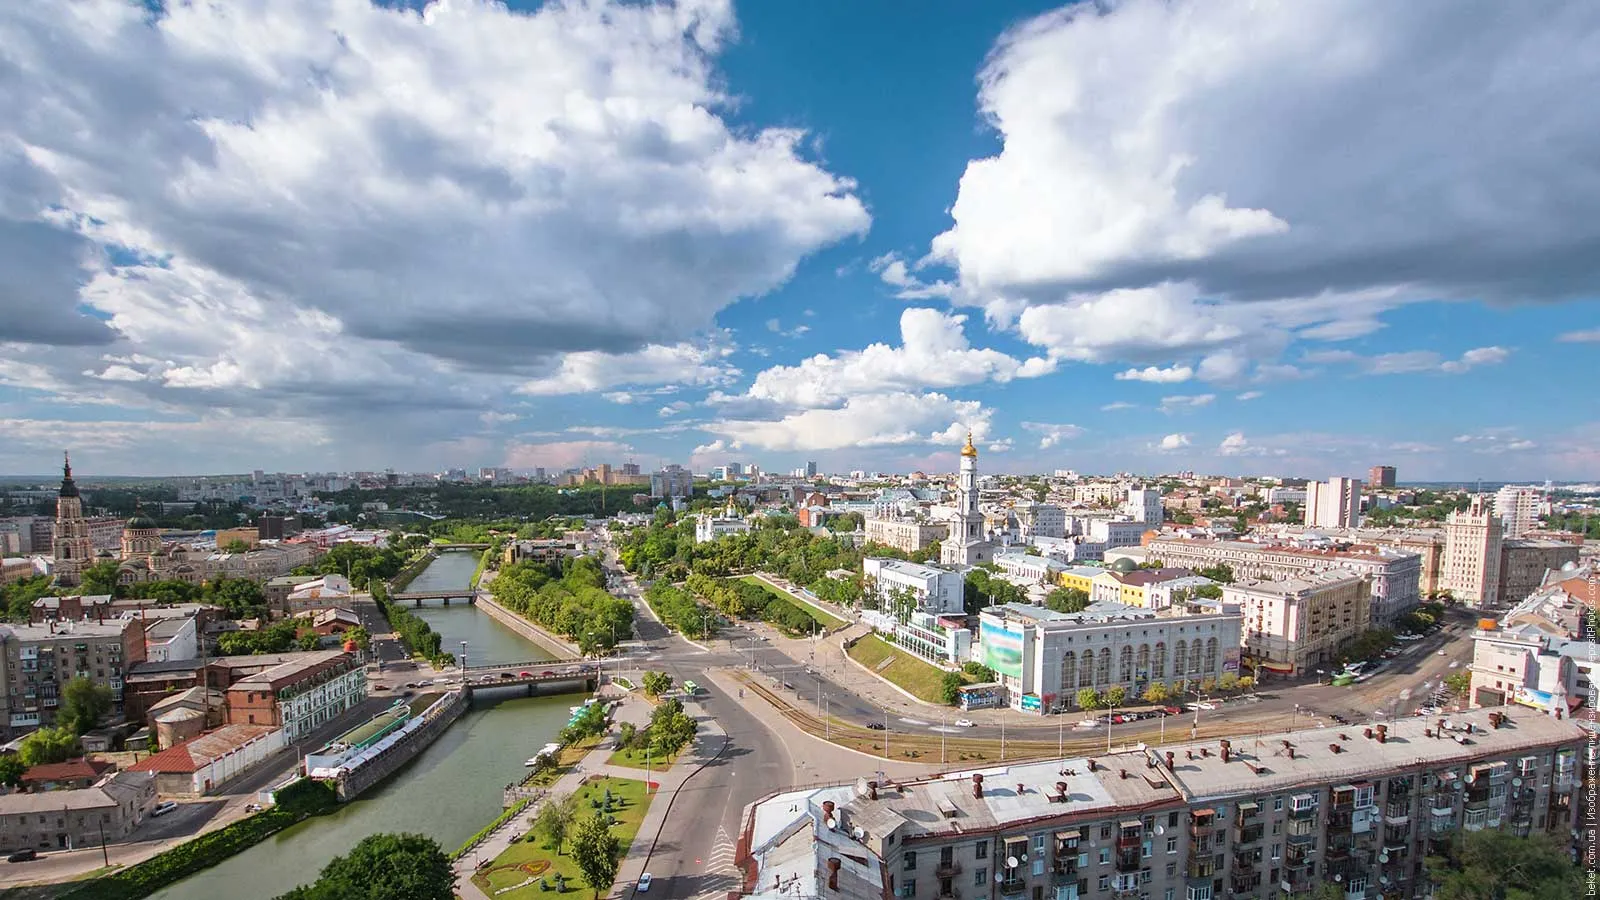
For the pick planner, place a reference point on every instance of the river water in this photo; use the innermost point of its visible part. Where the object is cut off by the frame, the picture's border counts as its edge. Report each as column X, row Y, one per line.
column 448, row 792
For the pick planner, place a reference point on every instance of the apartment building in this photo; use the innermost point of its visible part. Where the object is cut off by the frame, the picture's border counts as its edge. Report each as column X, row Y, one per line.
column 1250, row 819
column 299, row 694
column 77, row 819
column 1471, row 568
column 1293, row 626
column 1525, row 562
column 672, row 481
column 905, row 535
column 39, row 660
column 1335, row 503
column 1517, row 508
column 1381, row 476
column 1395, row 575
column 1029, row 569
column 1144, row 506
column 1043, row 658
column 1039, row 520
column 1145, row 588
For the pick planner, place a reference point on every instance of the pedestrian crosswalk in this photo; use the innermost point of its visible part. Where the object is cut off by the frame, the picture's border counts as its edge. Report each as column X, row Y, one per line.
column 721, row 875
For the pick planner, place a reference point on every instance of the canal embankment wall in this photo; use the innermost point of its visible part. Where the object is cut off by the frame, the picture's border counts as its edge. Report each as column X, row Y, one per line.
column 551, row 643
column 439, row 717
column 403, row 579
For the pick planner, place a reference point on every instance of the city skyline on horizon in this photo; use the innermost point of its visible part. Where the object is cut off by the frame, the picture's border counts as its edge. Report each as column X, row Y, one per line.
column 1148, row 236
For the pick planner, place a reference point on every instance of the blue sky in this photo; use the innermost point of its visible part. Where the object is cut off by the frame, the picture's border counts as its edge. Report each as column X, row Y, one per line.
column 1299, row 239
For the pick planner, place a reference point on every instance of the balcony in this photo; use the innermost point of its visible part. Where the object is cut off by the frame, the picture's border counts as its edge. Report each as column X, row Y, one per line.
column 1245, row 858
column 947, row 869
column 1244, row 882
column 1065, row 873
column 1128, row 860
column 1201, row 868
column 1200, row 846
column 1397, row 812
column 1013, row 887
column 1298, row 854
column 1249, row 834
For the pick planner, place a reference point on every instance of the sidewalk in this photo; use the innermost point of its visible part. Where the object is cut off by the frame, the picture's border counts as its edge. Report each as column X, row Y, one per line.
column 708, row 744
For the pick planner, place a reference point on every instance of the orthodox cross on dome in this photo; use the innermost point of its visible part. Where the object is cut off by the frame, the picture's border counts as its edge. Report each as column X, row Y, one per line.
column 969, row 450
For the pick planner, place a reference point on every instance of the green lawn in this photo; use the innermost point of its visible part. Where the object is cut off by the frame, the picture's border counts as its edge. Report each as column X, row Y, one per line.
column 822, row 618
column 533, row 858
column 634, row 759
column 922, row 680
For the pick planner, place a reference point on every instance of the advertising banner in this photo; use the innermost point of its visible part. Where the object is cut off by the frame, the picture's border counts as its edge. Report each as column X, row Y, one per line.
column 1002, row 648
column 1230, row 661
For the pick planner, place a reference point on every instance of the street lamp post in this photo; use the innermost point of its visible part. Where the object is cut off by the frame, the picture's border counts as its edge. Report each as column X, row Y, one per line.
column 886, row 732
column 942, row 727
column 1002, row 740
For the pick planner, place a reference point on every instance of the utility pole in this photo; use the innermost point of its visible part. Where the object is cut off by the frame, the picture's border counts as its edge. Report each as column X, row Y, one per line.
column 941, row 737
column 1002, row 740
column 1061, row 737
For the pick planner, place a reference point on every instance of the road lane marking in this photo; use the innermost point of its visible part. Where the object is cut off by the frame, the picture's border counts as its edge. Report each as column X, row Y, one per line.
column 914, row 722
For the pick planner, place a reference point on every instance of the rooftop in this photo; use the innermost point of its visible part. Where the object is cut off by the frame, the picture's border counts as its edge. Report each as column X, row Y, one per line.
column 1259, row 765
column 195, row 753
column 285, row 673
column 82, row 767
column 909, row 569
column 1100, row 613
column 63, row 631
column 1309, row 582
column 101, row 796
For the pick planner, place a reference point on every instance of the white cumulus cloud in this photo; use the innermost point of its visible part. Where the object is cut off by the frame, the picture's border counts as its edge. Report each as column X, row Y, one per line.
column 1157, row 375
column 1174, row 442
column 1051, row 434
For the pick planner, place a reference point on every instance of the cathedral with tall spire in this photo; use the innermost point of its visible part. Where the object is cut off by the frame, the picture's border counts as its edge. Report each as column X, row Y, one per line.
column 71, row 546
column 966, row 545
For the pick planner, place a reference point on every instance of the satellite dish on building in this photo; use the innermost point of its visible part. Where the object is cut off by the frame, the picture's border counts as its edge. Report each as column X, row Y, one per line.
column 1337, row 877
column 858, row 833
column 1160, row 830
column 1516, row 782
column 1023, row 857
column 1011, row 862
column 998, row 878
column 1458, row 784
column 1384, row 856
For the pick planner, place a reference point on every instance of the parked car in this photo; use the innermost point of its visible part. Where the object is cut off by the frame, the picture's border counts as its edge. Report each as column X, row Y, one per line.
column 23, row 856
column 963, row 723
column 548, row 672
column 643, row 886
column 164, row 807
column 380, row 687
column 1171, row 710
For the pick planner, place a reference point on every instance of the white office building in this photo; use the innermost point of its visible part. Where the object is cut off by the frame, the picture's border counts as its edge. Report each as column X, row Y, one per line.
column 1144, row 506
column 1517, row 508
column 934, row 591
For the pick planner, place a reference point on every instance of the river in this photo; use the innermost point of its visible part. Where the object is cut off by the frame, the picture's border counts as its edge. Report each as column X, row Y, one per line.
column 449, row 792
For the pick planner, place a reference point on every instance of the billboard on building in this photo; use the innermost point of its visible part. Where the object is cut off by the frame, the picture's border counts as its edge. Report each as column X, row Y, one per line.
column 1002, row 648
column 1230, row 661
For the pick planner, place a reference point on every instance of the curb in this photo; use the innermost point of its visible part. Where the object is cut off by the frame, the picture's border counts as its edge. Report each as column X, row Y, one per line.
column 822, row 740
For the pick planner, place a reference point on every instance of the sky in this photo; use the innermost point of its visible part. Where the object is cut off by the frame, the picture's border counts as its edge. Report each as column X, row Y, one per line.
column 1298, row 238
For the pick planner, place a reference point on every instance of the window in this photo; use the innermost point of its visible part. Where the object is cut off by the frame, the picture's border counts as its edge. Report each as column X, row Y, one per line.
column 1105, row 832
column 1172, row 869
column 1170, row 894
column 1105, row 855
column 983, row 850
column 1172, row 845
column 910, row 858
column 1172, row 820
column 909, row 889
column 1105, row 882
column 1277, row 804
column 1277, row 851
column 1147, row 849
column 1038, row 843
column 980, row 877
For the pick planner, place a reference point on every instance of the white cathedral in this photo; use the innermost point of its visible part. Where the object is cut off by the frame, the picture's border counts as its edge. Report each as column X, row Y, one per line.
column 966, row 545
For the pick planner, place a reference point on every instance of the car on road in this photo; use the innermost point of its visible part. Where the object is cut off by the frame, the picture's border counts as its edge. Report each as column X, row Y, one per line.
column 380, row 687
column 877, row 726
column 23, row 856
column 164, row 807
column 643, row 887
column 573, row 670
column 487, row 678
column 507, row 675
column 1444, row 653
column 963, row 723
column 524, row 674
column 1089, row 723
column 1171, row 710
column 548, row 672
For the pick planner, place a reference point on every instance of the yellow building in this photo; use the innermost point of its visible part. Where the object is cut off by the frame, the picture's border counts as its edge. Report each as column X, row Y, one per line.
column 1079, row 577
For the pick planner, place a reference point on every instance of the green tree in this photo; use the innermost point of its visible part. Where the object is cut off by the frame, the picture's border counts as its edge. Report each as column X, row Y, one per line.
column 100, row 578
column 48, row 745
column 1229, row 681
column 16, row 598
column 1498, row 865
column 383, row 867
column 1116, row 695
column 1067, row 600
column 1459, row 683
column 950, row 687
column 361, row 637
column 83, row 704
column 1089, row 698
column 235, row 546
column 11, row 769
column 1221, row 573
column 656, row 683
column 595, row 849
column 977, row 672
column 554, row 819
column 1156, row 693
column 1208, row 685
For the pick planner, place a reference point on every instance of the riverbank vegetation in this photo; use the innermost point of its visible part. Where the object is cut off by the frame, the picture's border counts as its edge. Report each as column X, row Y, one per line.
column 295, row 803
column 418, row 636
column 568, row 599
column 384, row 867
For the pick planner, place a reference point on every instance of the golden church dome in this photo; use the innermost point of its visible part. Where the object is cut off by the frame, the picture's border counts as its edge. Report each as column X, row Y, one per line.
column 969, row 450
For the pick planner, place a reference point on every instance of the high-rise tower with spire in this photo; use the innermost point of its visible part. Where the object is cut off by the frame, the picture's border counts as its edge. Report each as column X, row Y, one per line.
column 71, row 546
column 966, row 545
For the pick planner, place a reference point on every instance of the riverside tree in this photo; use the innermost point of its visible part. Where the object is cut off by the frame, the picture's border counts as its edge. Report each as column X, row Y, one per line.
column 384, row 867
column 595, row 849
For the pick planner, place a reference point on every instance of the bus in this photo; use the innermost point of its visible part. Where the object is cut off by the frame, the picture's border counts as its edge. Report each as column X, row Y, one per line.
column 1344, row 679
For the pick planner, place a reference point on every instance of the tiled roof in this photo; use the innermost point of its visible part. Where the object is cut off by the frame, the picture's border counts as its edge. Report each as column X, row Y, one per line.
column 193, row 754
column 64, row 771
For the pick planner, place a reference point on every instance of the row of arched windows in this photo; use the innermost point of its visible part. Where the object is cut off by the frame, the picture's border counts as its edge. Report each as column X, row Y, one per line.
column 1089, row 669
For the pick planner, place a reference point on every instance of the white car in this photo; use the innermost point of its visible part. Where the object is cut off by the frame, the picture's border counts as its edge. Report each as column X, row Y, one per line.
column 1089, row 723
column 164, row 807
column 643, row 887
column 963, row 723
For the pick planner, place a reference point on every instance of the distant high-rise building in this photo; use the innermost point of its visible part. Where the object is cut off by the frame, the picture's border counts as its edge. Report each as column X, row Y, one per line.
column 1472, row 541
column 1144, row 505
column 811, row 469
column 1381, row 477
column 1335, row 503
column 672, row 481
column 734, row 470
column 1517, row 509
column 630, row 468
